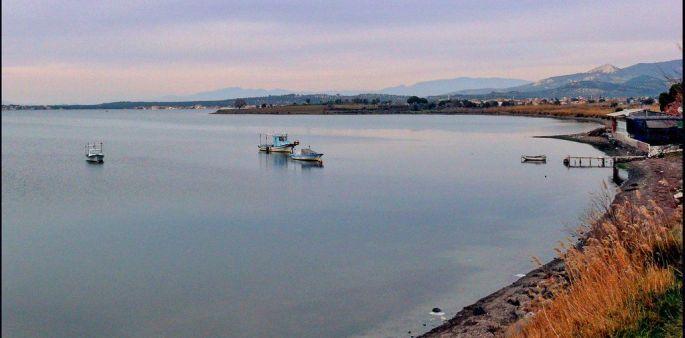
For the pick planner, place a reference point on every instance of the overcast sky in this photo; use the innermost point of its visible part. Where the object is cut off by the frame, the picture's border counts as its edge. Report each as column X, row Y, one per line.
column 96, row 51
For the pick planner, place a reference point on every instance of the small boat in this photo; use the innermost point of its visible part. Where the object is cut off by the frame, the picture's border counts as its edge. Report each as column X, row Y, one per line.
column 533, row 158
column 94, row 153
column 279, row 143
column 307, row 154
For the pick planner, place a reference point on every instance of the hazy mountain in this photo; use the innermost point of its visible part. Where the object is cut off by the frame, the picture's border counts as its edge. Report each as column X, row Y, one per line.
column 610, row 74
column 642, row 79
column 227, row 93
column 643, row 85
column 671, row 69
column 425, row 88
column 437, row 87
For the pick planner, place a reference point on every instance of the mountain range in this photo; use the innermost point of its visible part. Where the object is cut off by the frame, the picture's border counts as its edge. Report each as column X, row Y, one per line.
column 642, row 79
column 437, row 87
column 227, row 93
column 425, row 88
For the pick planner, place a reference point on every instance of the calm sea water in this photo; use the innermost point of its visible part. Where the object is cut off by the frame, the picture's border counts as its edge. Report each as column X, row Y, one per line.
column 186, row 230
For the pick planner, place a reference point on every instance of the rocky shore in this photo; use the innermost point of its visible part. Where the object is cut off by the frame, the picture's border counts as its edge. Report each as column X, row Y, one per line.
column 655, row 179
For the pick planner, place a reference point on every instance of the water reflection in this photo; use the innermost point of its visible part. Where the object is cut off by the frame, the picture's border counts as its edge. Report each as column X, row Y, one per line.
column 309, row 165
column 198, row 232
column 273, row 160
column 283, row 161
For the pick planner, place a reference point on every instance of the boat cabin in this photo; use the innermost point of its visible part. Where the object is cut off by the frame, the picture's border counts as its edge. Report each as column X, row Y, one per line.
column 94, row 152
column 280, row 140
column 94, row 149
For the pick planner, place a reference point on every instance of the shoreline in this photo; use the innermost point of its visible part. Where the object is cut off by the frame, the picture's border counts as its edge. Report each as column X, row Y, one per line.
column 598, row 118
column 491, row 315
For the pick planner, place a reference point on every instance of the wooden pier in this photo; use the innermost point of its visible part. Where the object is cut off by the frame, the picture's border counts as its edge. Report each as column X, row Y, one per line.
column 598, row 162
column 589, row 162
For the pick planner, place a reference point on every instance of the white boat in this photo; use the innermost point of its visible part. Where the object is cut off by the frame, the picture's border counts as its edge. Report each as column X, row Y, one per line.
column 94, row 153
column 279, row 143
column 307, row 154
column 533, row 158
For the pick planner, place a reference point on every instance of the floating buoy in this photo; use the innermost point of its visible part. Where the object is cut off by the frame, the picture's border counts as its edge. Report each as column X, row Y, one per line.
column 437, row 312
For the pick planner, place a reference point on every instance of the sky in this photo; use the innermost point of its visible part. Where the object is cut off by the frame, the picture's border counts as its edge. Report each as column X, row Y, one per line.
column 98, row 51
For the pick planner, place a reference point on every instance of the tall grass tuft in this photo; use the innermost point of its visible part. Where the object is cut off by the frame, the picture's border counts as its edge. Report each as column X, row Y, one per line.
column 631, row 254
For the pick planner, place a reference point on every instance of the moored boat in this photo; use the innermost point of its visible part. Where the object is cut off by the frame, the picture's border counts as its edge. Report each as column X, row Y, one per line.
column 279, row 143
column 94, row 153
column 307, row 154
column 533, row 158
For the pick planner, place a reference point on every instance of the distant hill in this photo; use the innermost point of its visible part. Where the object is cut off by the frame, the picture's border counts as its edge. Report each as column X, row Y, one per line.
column 642, row 79
column 437, row 87
column 226, row 93
column 425, row 88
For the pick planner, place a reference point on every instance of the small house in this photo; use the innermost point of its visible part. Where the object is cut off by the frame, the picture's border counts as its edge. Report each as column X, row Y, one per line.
column 655, row 128
column 642, row 128
column 618, row 120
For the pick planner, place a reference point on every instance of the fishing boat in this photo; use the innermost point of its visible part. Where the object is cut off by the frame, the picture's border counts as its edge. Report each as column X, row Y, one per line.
column 307, row 154
column 94, row 153
column 533, row 158
column 279, row 143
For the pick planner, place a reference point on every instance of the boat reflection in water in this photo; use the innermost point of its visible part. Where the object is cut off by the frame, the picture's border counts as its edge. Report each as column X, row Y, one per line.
column 312, row 164
column 283, row 161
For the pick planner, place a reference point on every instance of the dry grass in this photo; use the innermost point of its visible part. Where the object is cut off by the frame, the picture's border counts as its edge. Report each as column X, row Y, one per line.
column 572, row 110
column 633, row 253
column 290, row 109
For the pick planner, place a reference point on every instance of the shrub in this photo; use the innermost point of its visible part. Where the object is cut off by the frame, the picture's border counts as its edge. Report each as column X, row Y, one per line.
column 632, row 254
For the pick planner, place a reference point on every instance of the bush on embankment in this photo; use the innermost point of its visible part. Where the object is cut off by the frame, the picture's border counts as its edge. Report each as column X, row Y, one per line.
column 625, row 280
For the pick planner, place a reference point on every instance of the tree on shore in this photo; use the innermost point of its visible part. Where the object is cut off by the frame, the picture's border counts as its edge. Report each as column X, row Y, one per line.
column 239, row 103
column 416, row 99
column 670, row 101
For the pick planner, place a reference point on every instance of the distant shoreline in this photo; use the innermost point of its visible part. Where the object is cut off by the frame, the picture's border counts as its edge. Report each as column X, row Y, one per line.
column 582, row 112
column 597, row 119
